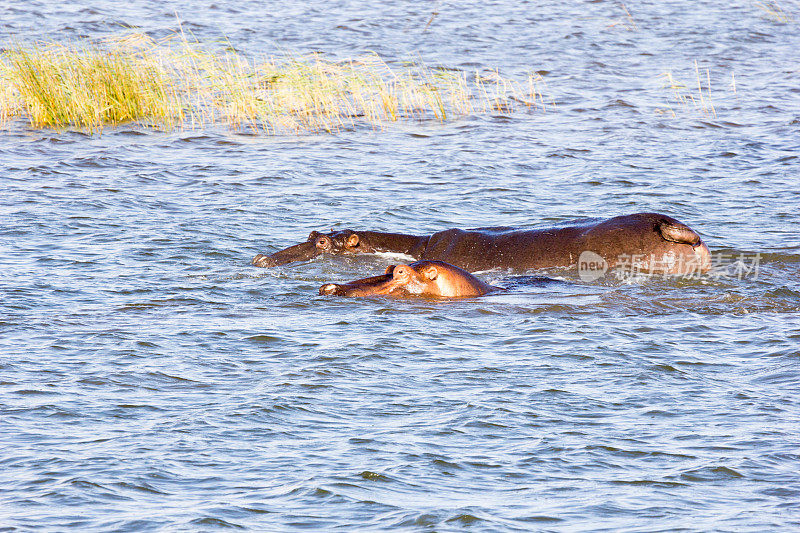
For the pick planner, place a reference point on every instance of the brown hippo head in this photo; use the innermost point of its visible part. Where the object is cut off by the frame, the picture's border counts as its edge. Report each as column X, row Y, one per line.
column 335, row 242
column 419, row 279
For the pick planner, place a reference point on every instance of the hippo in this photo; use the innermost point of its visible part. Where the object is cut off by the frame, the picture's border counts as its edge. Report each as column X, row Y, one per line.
column 654, row 242
column 421, row 279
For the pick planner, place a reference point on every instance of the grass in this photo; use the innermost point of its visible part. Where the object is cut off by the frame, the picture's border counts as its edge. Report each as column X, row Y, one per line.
column 56, row 86
column 697, row 97
column 628, row 23
column 774, row 11
column 178, row 83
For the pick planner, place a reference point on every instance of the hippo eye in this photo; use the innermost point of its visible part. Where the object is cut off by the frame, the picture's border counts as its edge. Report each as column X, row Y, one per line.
column 400, row 271
column 323, row 242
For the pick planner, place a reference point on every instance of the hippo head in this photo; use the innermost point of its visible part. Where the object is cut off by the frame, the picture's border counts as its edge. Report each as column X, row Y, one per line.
column 335, row 242
column 420, row 279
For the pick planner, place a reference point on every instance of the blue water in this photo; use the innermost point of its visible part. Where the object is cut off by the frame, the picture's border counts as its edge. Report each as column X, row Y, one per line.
column 152, row 380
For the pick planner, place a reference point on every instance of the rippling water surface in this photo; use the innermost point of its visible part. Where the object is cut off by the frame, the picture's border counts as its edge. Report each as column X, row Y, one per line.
column 151, row 380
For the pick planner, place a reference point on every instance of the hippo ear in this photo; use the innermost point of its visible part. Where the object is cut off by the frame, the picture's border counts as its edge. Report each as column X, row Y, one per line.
column 352, row 241
column 430, row 272
column 389, row 269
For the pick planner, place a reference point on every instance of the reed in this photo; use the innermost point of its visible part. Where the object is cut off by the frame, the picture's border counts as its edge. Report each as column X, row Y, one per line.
column 628, row 23
column 697, row 97
column 774, row 11
column 88, row 88
column 177, row 82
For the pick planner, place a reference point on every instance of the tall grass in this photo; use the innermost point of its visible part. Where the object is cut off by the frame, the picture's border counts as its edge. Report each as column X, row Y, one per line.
column 774, row 11
column 60, row 86
column 697, row 97
column 179, row 83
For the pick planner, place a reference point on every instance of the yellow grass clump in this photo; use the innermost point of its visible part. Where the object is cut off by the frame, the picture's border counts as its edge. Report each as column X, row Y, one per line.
column 177, row 83
column 697, row 97
column 774, row 11
column 59, row 86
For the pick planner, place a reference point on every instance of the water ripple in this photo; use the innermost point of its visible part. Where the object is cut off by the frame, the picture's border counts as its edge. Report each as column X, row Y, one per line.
column 153, row 380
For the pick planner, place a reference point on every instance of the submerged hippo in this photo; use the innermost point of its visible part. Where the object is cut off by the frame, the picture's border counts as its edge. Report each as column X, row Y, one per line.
column 431, row 279
column 657, row 243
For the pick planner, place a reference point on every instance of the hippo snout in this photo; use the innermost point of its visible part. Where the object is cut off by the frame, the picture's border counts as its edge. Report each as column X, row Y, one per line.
column 262, row 260
column 330, row 289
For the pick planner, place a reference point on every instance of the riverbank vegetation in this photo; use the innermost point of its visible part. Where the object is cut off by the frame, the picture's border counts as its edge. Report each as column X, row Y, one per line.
column 178, row 83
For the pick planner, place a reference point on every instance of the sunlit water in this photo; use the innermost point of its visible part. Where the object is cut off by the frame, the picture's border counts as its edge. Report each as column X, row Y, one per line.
column 151, row 380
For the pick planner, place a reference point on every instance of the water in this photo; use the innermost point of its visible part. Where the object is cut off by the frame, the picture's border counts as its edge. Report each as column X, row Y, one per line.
column 151, row 380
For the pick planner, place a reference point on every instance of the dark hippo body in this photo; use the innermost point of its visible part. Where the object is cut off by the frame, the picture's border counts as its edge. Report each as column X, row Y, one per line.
column 656, row 242
column 422, row 279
